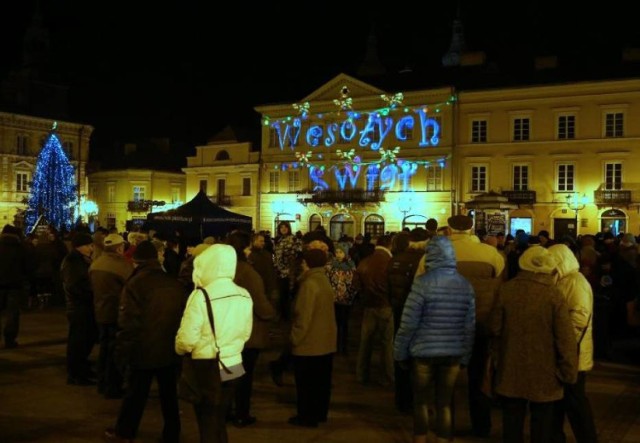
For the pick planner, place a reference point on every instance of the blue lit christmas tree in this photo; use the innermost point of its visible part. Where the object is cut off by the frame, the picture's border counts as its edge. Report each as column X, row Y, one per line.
column 53, row 190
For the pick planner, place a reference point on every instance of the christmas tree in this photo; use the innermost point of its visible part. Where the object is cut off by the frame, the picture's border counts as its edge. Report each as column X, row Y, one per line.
column 53, row 190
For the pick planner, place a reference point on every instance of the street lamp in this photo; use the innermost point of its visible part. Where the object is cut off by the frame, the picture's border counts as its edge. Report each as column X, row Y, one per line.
column 576, row 205
column 404, row 204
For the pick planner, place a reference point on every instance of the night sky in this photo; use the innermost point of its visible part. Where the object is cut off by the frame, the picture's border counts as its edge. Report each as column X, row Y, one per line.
column 185, row 71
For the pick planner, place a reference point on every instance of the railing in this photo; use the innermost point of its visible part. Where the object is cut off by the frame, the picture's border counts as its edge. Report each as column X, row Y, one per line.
column 139, row 206
column 521, row 197
column 611, row 196
column 221, row 200
column 350, row 196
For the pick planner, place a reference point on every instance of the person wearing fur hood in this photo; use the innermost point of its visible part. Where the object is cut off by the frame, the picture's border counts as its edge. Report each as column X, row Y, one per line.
column 576, row 290
column 534, row 344
column 214, row 270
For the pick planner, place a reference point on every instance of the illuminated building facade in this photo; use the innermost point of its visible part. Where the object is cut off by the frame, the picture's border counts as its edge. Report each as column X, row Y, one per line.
column 228, row 172
column 566, row 155
column 353, row 159
column 124, row 197
column 21, row 139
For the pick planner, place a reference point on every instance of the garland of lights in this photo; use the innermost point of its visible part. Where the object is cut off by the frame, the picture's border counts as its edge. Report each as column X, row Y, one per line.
column 345, row 103
column 376, row 125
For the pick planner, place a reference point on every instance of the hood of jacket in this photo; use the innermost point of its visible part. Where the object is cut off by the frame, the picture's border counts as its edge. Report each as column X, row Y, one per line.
column 567, row 261
column 214, row 263
column 440, row 253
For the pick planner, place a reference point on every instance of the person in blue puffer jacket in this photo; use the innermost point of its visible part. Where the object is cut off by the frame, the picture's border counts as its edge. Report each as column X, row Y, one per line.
column 436, row 335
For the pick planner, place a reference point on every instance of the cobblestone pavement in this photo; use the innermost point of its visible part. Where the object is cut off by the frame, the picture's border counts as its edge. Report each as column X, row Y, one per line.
column 37, row 405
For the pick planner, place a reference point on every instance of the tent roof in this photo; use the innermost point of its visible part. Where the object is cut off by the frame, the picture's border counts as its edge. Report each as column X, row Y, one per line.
column 201, row 216
column 201, row 206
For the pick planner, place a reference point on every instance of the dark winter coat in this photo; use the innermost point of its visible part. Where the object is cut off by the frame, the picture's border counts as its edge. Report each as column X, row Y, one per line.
column 150, row 311
column 15, row 264
column 75, row 281
column 263, row 311
column 108, row 274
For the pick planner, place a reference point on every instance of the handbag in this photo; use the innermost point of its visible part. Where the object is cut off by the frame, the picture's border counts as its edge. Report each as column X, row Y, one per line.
column 633, row 314
column 200, row 378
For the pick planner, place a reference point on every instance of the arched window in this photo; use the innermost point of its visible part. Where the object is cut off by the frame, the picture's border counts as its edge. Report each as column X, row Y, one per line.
column 414, row 221
column 340, row 224
column 374, row 225
column 222, row 155
column 314, row 221
column 614, row 221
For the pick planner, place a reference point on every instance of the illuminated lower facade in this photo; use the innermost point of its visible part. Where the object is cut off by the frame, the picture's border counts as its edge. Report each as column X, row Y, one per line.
column 125, row 197
column 558, row 158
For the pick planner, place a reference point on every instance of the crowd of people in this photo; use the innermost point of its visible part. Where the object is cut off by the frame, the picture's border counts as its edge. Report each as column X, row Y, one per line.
column 519, row 314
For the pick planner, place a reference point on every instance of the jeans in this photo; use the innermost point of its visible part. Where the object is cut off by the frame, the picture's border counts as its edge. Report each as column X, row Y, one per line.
column 377, row 323
column 575, row 405
column 443, row 371
column 342, row 325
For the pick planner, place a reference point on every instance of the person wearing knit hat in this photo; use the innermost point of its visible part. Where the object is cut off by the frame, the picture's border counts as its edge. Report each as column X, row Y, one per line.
column 535, row 344
column 460, row 222
column 81, row 239
column 313, row 341
column 145, row 251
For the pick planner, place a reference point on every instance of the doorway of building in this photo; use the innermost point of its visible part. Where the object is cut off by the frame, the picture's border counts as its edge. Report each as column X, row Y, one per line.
column 341, row 224
column 564, row 226
column 374, row 225
column 314, row 221
column 614, row 221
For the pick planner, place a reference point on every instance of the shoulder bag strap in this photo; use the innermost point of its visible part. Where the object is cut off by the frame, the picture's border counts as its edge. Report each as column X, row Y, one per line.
column 213, row 328
column 584, row 331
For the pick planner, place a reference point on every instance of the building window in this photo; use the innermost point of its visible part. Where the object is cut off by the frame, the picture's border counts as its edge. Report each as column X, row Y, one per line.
column 111, row 193
column 478, row 179
column 222, row 155
column 520, row 177
column 222, row 187
column 566, row 127
column 175, row 194
column 138, row 193
column 111, row 220
column 521, row 128
column 373, row 182
column 566, row 177
column 434, row 178
column 274, row 181
column 614, row 124
column 431, row 131
column 68, row 148
column 246, row 186
column 314, row 222
column 613, row 175
column 22, row 182
column 374, row 225
column 294, row 181
column 203, row 186
column 479, row 131
column 22, row 144
column 273, row 138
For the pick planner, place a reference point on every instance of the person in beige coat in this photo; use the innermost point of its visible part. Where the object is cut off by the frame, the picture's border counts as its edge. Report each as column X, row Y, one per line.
column 313, row 341
column 577, row 292
column 534, row 344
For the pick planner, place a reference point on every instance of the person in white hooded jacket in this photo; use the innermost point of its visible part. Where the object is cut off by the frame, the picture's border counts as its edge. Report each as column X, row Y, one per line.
column 579, row 297
column 214, row 270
